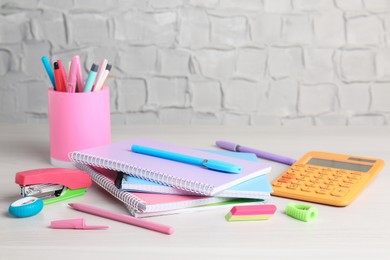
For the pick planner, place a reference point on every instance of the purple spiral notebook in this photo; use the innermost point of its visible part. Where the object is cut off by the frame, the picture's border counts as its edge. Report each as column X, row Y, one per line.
column 119, row 157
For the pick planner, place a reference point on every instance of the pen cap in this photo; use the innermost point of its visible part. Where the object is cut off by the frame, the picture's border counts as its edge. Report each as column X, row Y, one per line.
column 94, row 67
column 77, row 121
column 226, row 145
column 222, row 166
column 77, row 223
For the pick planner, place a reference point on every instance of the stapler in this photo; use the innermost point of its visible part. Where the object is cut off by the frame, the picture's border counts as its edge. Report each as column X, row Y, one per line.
column 53, row 184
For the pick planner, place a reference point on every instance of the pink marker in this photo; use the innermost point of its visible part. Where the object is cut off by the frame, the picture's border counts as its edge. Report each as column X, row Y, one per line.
column 123, row 218
column 72, row 77
column 79, row 74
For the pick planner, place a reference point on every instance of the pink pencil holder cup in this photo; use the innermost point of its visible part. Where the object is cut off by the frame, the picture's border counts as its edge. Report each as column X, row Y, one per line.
column 77, row 121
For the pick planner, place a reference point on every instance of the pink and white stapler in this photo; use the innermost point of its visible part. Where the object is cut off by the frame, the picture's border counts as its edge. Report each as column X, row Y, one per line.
column 53, row 184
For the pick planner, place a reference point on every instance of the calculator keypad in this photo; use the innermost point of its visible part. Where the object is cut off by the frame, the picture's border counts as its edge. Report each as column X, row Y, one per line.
column 313, row 183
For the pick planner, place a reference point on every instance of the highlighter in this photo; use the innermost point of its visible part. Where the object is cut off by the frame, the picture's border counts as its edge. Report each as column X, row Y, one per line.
column 91, row 78
column 49, row 70
column 102, row 79
column 58, row 78
column 79, row 75
column 72, row 76
column 102, row 67
column 63, row 73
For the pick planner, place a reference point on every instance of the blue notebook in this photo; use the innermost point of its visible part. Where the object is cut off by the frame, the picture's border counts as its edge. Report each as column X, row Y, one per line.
column 255, row 188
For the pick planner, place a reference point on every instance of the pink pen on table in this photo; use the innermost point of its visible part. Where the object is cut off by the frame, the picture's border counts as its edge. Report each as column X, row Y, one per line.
column 123, row 218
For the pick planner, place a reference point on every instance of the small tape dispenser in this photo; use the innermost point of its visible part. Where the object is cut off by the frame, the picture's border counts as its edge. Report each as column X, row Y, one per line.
column 53, row 184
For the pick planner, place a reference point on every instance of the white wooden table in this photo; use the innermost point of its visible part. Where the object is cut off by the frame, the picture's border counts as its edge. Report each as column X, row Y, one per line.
column 360, row 230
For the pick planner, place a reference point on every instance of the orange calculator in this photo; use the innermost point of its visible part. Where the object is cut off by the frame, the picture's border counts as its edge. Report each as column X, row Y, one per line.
column 327, row 178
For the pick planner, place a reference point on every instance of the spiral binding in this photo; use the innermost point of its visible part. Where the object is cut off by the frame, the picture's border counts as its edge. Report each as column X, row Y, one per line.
column 131, row 202
column 146, row 174
column 131, row 210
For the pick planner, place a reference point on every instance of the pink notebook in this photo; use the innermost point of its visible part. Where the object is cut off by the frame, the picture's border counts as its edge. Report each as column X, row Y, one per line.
column 119, row 157
column 145, row 204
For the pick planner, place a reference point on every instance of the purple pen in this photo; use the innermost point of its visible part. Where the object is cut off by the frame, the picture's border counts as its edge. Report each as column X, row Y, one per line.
column 265, row 155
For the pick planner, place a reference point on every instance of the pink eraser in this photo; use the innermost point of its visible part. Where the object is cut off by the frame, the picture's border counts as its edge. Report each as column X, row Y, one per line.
column 78, row 223
column 251, row 212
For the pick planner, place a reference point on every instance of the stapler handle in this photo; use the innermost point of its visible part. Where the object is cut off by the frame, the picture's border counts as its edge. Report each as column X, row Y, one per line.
column 71, row 178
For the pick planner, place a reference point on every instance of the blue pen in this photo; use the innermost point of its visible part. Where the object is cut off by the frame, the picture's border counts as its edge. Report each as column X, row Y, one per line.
column 49, row 70
column 209, row 164
column 91, row 78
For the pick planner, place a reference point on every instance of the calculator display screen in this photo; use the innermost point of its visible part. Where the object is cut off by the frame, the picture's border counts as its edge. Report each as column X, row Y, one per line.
column 339, row 165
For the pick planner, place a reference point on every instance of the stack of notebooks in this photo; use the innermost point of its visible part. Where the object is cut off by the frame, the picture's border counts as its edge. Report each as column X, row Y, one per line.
column 152, row 186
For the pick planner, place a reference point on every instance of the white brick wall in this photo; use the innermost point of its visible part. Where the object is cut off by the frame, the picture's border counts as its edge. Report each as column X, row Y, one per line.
column 218, row 62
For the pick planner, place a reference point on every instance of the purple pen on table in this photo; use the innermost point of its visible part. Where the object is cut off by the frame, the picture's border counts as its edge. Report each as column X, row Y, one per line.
column 265, row 155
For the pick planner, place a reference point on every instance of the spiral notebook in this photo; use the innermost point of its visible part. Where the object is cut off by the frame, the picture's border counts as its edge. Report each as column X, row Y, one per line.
column 227, row 205
column 146, row 204
column 119, row 157
column 255, row 188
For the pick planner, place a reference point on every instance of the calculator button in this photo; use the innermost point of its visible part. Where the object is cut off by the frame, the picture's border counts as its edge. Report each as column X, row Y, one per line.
column 292, row 186
column 284, row 180
column 320, row 176
column 322, row 191
column 293, row 171
column 307, row 189
column 298, row 182
column 349, row 181
column 289, row 176
column 302, row 178
column 335, row 178
column 356, row 173
column 311, row 184
column 339, row 192
column 328, row 182
column 353, row 177
column 340, row 173
column 345, row 185
column 317, row 181
column 327, row 187
column 277, row 184
column 311, row 172
column 307, row 174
